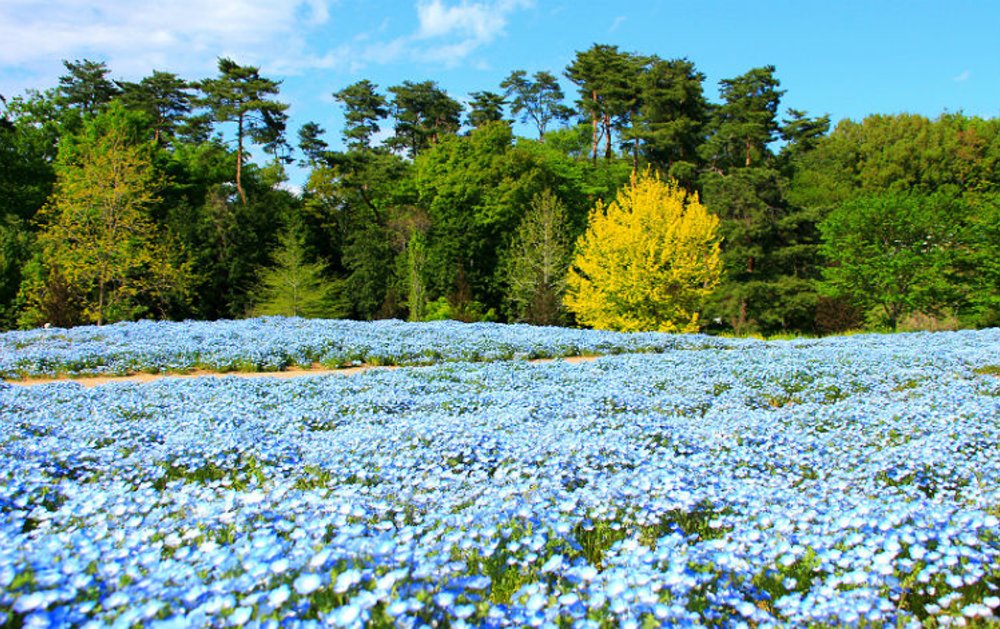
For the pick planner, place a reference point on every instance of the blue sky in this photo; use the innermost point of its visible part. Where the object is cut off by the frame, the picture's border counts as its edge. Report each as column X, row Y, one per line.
column 847, row 58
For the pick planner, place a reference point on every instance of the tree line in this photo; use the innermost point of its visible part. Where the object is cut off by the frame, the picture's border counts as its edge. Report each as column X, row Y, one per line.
column 164, row 198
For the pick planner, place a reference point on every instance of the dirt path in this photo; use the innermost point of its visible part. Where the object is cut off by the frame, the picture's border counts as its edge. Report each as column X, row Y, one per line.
column 291, row 372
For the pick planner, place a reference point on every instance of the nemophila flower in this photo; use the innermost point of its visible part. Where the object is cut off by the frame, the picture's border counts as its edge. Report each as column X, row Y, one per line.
column 423, row 469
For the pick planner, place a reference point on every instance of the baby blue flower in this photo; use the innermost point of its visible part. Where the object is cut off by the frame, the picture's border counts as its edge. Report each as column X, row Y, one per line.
column 306, row 584
column 346, row 615
column 346, row 580
column 278, row 596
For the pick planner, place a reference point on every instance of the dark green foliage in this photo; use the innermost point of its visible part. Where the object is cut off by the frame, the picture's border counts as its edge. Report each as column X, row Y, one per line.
column 86, row 87
column 475, row 190
column 240, row 95
column 608, row 83
column 894, row 253
column 164, row 97
column 769, row 253
column 425, row 115
column 484, row 108
column 364, row 107
column 746, row 122
column 671, row 117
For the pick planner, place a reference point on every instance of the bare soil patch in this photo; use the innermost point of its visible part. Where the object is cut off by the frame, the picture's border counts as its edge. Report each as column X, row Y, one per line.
column 291, row 372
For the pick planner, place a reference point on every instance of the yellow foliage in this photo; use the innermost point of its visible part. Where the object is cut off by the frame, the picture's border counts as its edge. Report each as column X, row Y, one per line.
column 647, row 260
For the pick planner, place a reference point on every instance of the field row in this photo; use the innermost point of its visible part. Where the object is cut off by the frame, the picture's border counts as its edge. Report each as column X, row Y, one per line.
column 277, row 343
column 844, row 481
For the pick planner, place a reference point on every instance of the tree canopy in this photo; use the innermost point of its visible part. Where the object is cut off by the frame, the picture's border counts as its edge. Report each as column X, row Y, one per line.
column 647, row 261
column 167, row 196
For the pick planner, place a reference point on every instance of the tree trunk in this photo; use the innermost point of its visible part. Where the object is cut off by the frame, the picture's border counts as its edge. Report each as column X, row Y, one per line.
column 239, row 160
column 593, row 116
column 635, row 155
column 607, row 137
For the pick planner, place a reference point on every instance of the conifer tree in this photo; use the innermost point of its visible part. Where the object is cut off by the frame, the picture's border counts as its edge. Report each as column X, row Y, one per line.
column 293, row 287
column 537, row 262
column 240, row 95
column 364, row 107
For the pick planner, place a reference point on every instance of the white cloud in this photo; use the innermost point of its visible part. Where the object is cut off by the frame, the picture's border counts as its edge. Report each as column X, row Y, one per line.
column 449, row 32
column 283, row 37
column 617, row 23
column 963, row 77
column 135, row 36
column 477, row 22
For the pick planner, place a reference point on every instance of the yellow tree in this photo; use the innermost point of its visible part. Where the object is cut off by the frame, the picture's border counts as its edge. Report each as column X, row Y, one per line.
column 646, row 261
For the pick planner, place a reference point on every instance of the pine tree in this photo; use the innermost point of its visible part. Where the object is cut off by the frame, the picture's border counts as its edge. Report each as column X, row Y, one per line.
column 240, row 95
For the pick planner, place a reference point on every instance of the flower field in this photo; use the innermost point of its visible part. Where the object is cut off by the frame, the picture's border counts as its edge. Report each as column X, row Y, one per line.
column 684, row 480
column 275, row 343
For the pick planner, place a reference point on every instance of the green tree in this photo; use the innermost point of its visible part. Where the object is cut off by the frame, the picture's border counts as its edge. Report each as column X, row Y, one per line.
column 15, row 251
column 537, row 261
column 98, row 248
column 979, row 261
column 312, row 144
column 353, row 204
column 86, row 87
column 608, row 83
column 802, row 133
column 415, row 261
column 475, row 190
column 671, row 117
column 893, row 253
column 744, row 125
column 769, row 252
column 647, row 261
column 240, row 95
column 294, row 287
column 164, row 97
column 364, row 107
column 538, row 99
column 770, row 245
column 28, row 139
column 424, row 115
column 484, row 108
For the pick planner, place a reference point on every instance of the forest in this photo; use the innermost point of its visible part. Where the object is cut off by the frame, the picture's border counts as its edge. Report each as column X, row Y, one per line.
column 167, row 198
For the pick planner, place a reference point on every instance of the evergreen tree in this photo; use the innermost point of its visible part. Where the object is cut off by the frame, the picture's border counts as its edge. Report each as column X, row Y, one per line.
column 241, row 96
column 537, row 262
column 484, row 108
column 608, row 82
column 746, row 122
column 164, row 97
column 293, row 287
column 672, row 116
column 364, row 107
column 424, row 115
column 86, row 87
column 312, row 144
